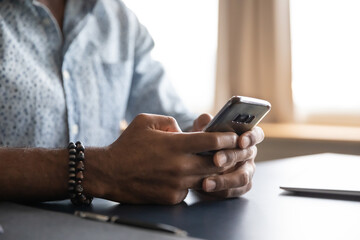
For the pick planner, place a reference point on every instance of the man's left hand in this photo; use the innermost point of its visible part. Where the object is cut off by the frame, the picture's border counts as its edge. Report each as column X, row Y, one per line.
column 238, row 179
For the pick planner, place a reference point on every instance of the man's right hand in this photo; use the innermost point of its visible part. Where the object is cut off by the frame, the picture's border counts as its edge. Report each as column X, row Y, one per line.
column 153, row 161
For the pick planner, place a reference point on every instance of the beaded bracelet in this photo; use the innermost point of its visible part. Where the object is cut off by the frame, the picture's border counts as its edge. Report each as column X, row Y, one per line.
column 76, row 175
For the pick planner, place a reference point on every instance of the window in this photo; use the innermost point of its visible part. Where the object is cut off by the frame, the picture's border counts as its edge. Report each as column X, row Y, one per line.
column 185, row 35
column 326, row 60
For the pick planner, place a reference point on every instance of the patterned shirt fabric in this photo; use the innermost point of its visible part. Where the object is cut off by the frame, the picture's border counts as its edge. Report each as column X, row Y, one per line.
column 79, row 83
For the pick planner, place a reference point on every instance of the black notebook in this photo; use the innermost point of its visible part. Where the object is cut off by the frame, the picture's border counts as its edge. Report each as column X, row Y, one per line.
column 22, row 222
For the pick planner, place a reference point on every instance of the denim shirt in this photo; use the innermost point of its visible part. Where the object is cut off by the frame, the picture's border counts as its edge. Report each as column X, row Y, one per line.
column 79, row 83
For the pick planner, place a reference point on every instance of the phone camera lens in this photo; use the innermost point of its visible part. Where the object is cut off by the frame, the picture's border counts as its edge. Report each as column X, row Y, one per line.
column 241, row 118
column 244, row 118
column 249, row 120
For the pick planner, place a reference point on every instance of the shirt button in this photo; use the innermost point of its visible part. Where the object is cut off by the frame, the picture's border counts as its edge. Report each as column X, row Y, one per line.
column 46, row 21
column 75, row 129
column 123, row 125
column 66, row 75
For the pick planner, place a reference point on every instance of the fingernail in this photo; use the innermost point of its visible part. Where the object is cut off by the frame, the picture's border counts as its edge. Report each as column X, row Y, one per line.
column 210, row 185
column 245, row 142
column 221, row 159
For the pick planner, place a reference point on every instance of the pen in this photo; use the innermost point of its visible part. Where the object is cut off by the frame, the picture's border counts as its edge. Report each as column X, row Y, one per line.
column 115, row 219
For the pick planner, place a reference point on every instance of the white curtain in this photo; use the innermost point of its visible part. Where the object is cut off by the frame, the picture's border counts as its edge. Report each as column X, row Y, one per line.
column 254, row 54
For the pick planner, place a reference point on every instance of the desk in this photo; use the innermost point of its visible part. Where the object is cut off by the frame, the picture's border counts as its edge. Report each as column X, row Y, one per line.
column 266, row 212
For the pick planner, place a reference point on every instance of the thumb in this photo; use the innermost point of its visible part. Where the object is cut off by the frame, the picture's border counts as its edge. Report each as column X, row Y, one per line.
column 201, row 122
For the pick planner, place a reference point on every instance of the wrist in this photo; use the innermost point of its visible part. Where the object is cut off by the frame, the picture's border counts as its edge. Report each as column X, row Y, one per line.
column 95, row 174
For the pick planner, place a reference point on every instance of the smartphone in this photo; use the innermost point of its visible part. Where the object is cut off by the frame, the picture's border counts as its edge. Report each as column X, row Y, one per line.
column 239, row 114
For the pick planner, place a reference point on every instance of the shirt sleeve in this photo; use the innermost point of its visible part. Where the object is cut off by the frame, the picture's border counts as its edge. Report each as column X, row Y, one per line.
column 151, row 91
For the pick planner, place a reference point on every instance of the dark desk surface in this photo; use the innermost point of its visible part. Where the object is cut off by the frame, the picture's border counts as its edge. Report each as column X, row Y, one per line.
column 264, row 213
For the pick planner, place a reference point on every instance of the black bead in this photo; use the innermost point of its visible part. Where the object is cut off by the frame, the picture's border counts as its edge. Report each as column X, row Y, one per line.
column 82, row 198
column 87, row 202
column 79, row 175
column 75, row 201
column 79, row 188
column 81, row 156
column 80, row 148
column 71, row 145
column 80, row 166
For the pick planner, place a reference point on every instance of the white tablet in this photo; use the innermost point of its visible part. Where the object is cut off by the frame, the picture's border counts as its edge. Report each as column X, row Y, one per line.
column 329, row 174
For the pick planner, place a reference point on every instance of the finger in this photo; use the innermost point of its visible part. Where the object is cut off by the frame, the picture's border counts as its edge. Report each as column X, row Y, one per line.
column 251, row 138
column 187, row 182
column 231, row 193
column 158, row 122
column 238, row 178
column 197, row 142
column 201, row 122
column 237, row 192
column 231, row 157
column 195, row 165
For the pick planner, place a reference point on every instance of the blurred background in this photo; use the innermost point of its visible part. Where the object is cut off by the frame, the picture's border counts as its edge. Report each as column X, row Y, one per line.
column 301, row 55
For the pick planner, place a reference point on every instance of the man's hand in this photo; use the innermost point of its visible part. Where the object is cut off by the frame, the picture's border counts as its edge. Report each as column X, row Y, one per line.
column 154, row 162
column 238, row 179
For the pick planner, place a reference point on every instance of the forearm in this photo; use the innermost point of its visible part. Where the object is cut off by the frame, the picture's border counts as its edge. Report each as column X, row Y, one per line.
column 38, row 174
column 33, row 174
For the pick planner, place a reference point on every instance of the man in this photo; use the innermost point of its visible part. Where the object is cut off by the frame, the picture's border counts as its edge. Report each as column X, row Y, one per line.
column 73, row 70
